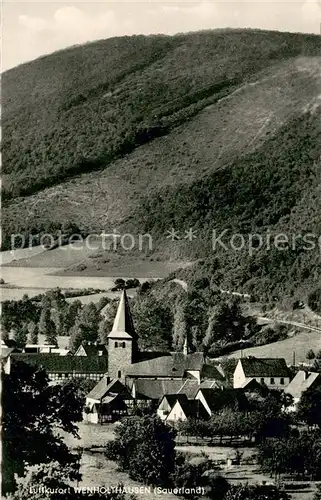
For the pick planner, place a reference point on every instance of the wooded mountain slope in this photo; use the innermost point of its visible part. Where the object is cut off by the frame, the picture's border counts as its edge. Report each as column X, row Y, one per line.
column 210, row 130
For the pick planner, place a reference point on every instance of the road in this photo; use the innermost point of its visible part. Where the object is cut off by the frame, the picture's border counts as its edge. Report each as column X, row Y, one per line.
column 184, row 285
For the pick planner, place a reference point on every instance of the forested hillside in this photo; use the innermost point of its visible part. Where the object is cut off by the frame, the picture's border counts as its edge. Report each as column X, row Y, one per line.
column 78, row 109
column 216, row 130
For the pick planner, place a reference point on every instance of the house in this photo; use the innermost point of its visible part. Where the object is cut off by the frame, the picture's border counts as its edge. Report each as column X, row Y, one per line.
column 184, row 409
column 167, row 403
column 302, row 381
column 91, row 349
column 272, row 372
column 107, row 402
column 110, row 410
column 45, row 348
column 61, row 368
column 214, row 400
column 38, row 348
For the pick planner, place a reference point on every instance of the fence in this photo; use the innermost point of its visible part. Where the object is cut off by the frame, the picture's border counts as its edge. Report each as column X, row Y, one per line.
column 214, row 440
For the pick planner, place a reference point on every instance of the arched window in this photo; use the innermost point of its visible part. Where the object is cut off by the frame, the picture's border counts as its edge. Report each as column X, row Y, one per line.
column 116, row 344
column 119, row 374
column 123, row 344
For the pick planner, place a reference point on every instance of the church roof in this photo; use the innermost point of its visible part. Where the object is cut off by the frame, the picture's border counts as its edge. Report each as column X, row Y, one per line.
column 123, row 326
column 155, row 389
column 174, row 365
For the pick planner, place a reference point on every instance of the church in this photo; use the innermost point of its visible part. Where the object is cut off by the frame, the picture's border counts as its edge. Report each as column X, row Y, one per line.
column 142, row 377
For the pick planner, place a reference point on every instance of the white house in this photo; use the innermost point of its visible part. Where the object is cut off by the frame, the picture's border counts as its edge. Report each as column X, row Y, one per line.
column 302, row 381
column 272, row 372
column 186, row 408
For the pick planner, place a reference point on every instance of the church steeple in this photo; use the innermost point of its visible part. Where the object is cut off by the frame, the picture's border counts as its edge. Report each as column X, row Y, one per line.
column 122, row 341
column 123, row 323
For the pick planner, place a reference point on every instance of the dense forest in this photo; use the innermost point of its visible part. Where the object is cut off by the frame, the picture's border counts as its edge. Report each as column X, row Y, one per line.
column 108, row 97
column 137, row 133
column 273, row 191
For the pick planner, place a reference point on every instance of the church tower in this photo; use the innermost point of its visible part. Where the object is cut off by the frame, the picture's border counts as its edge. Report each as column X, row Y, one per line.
column 121, row 341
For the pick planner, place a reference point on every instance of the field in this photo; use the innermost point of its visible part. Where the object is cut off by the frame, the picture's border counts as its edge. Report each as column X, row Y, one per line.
column 98, row 471
column 297, row 346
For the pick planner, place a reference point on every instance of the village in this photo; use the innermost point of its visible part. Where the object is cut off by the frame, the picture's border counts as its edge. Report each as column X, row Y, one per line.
column 180, row 385
column 208, row 403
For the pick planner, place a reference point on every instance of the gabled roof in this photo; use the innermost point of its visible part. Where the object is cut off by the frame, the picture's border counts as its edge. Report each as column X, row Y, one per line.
column 54, row 363
column 193, row 408
column 172, row 398
column 6, row 351
column 252, row 385
column 211, row 372
column 93, row 349
column 104, row 387
column 155, row 389
column 173, row 365
column 217, row 399
column 302, row 381
column 264, row 367
column 123, row 326
column 189, row 388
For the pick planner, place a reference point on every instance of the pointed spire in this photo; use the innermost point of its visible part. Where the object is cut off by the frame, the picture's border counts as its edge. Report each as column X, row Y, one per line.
column 185, row 346
column 123, row 323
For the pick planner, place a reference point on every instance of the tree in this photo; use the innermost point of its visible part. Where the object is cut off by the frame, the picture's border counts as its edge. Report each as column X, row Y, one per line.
column 71, row 314
column 154, row 322
column 31, row 410
column 20, row 335
column 50, row 481
column 179, row 325
column 33, row 332
column 250, row 492
column 47, row 327
column 120, row 284
column 145, row 448
column 309, row 407
column 298, row 453
column 88, row 321
column 310, row 355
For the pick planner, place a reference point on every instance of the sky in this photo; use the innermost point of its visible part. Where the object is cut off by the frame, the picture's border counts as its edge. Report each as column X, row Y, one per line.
column 31, row 29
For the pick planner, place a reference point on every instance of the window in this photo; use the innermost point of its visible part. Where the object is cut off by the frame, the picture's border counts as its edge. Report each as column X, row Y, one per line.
column 262, row 380
column 116, row 344
column 272, row 381
column 123, row 344
column 119, row 374
column 282, row 381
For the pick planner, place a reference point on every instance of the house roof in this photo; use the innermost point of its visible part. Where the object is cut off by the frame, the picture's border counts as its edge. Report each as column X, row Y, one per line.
column 252, row 384
column 6, row 351
column 172, row 398
column 54, row 363
column 173, row 365
column 193, row 408
column 103, row 388
column 264, row 367
column 302, row 381
column 211, row 372
column 217, row 399
column 189, row 388
column 123, row 326
column 93, row 349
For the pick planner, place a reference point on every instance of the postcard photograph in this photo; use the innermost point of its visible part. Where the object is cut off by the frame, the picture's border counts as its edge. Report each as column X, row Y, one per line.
column 160, row 270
